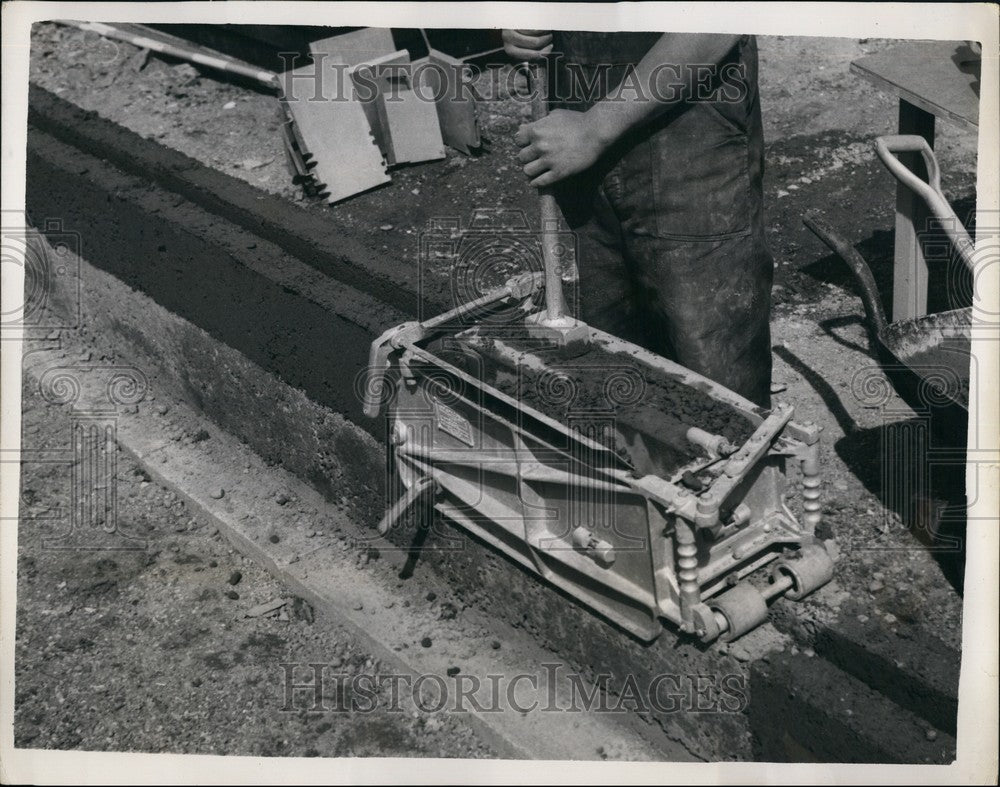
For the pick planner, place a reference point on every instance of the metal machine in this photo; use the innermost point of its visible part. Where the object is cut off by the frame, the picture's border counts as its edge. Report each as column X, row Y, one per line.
column 640, row 488
column 644, row 505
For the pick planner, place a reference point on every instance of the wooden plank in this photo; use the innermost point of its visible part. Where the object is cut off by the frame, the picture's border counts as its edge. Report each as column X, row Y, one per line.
column 939, row 77
column 909, row 271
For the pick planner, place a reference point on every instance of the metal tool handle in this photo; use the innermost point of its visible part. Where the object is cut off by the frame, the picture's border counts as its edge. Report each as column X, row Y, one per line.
column 930, row 190
column 182, row 51
column 549, row 213
column 374, row 396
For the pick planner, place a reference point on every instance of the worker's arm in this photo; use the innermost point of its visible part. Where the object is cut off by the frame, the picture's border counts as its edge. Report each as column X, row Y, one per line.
column 564, row 143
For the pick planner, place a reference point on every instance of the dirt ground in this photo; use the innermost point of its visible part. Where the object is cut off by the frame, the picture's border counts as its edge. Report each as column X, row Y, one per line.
column 820, row 121
column 150, row 649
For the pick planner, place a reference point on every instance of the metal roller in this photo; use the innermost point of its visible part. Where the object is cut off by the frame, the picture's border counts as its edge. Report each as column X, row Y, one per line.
column 809, row 570
column 742, row 608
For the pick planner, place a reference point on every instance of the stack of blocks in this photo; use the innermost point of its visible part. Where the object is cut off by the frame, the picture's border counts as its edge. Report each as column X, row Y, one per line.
column 350, row 115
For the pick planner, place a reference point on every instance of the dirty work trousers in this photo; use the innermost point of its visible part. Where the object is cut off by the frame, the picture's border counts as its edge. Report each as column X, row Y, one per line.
column 671, row 247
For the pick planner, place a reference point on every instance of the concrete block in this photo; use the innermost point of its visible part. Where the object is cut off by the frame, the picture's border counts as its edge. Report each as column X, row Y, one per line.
column 404, row 121
column 455, row 102
column 346, row 161
column 356, row 47
column 370, row 80
column 412, row 125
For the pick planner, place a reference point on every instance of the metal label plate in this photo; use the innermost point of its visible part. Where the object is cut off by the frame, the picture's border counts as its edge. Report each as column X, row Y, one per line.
column 452, row 422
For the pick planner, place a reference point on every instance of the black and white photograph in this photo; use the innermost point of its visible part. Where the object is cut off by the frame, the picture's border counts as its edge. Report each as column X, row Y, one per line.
column 497, row 393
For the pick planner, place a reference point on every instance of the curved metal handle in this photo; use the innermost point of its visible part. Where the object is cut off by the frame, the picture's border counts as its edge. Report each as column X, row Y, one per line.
column 929, row 190
column 887, row 146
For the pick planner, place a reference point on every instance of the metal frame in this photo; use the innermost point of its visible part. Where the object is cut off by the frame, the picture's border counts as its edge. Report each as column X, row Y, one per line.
column 637, row 549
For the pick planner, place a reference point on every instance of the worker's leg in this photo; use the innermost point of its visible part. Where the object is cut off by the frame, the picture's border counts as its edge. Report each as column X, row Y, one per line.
column 672, row 254
column 606, row 294
column 688, row 199
column 705, row 304
column 708, row 307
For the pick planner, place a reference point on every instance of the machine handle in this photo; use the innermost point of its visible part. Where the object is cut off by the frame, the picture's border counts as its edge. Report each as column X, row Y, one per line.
column 549, row 213
column 374, row 395
column 188, row 53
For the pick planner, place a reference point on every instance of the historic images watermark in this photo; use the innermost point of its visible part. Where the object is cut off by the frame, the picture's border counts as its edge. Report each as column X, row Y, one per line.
column 49, row 256
column 95, row 393
column 435, row 81
column 317, row 687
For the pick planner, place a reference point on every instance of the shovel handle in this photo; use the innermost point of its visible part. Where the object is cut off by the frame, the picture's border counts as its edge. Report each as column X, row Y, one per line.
column 538, row 75
column 929, row 190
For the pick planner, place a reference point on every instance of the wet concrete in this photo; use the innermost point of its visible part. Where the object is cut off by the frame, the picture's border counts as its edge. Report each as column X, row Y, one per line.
column 212, row 338
column 914, row 670
column 806, row 709
column 307, row 235
column 614, row 398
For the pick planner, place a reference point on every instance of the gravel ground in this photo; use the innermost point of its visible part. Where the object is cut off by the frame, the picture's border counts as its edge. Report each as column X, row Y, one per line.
column 150, row 649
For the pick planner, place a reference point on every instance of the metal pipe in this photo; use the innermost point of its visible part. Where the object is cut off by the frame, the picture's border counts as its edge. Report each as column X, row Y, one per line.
column 192, row 55
column 422, row 487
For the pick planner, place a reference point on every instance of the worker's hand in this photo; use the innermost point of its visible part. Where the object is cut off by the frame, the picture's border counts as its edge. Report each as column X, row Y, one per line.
column 527, row 44
column 561, row 144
